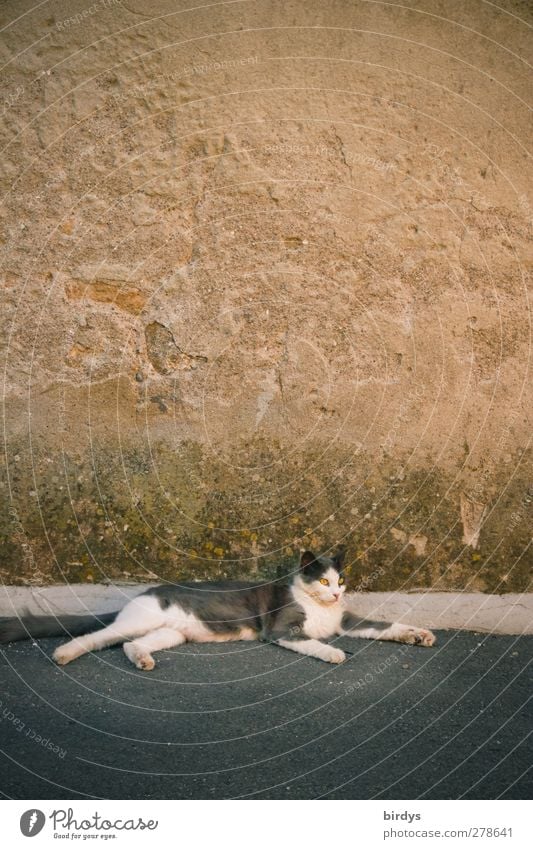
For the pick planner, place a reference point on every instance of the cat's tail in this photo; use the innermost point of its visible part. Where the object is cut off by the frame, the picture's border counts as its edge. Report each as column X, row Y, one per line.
column 28, row 626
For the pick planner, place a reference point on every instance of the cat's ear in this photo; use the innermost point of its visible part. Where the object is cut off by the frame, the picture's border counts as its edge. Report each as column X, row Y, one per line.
column 306, row 559
column 338, row 559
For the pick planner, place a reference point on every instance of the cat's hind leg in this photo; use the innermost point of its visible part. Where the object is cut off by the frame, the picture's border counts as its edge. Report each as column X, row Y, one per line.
column 354, row 626
column 140, row 651
column 139, row 616
column 93, row 642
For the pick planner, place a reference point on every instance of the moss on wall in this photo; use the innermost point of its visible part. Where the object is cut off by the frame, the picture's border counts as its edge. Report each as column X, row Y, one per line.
column 141, row 516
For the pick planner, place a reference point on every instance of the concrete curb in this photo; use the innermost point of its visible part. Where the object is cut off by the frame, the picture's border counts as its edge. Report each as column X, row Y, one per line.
column 499, row 614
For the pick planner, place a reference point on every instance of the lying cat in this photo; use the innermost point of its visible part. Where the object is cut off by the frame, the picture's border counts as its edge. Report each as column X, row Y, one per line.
column 296, row 614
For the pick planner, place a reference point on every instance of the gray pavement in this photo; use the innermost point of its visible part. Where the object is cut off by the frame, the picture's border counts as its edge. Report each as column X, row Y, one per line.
column 254, row 721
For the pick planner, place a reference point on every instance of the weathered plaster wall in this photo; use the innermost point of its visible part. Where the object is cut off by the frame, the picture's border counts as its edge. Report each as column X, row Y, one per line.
column 266, row 283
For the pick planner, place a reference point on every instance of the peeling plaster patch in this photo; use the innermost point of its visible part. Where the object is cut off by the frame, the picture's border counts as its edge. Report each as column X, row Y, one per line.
column 419, row 544
column 269, row 389
column 113, row 292
column 472, row 515
column 401, row 536
column 163, row 352
column 418, row 541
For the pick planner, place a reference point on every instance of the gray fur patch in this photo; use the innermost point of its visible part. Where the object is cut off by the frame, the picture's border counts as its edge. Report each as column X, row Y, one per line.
column 351, row 622
column 30, row 626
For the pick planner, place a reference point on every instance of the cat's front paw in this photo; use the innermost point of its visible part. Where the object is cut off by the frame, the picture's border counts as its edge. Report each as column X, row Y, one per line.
column 419, row 637
column 335, row 655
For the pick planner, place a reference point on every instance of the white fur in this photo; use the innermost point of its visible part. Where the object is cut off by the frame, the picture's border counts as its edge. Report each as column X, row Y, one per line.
column 396, row 632
column 141, row 615
column 314, row 648
column 149, row 628
column 140, row 651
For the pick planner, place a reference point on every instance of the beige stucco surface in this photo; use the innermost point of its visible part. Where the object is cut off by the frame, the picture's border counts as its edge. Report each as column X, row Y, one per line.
column 265, row 284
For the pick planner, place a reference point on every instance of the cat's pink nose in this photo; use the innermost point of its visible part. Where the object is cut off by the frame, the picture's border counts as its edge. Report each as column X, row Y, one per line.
column 336, row 596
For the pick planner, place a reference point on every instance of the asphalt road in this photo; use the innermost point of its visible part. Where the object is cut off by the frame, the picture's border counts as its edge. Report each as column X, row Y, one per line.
column 255, row 721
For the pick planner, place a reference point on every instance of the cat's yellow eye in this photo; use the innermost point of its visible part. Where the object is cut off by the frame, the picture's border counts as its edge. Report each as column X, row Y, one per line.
column 341, row 582
column 324, row 581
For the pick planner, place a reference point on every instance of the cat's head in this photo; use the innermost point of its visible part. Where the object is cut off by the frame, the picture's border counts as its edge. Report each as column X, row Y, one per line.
column 322, row 577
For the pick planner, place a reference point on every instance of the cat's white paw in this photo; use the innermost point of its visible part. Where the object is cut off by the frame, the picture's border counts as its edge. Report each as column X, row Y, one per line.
column 335, row 655
column 63, row 655
column 145, row 661
column 141, row 660
column 418, row 637
column 427, row 638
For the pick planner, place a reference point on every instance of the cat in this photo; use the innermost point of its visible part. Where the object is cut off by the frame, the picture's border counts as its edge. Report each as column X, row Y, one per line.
column 296, row 614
